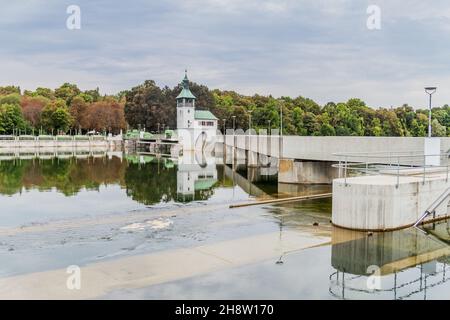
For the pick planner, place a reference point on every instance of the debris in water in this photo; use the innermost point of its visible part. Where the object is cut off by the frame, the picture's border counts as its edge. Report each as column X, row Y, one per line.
column 156, row 224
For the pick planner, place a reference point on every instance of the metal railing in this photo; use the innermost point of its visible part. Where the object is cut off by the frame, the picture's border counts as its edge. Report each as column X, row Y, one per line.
column 50, row 137
column 340, row 286
column 414, row 163
column 433, row 206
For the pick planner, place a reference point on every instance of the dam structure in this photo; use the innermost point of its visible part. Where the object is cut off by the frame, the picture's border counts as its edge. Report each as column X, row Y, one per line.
column 379, row 183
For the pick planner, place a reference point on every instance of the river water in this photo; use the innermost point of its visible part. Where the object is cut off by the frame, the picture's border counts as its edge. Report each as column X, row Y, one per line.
column 142, row 226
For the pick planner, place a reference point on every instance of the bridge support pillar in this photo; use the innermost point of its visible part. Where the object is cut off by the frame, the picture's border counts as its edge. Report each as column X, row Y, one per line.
column 306, row 172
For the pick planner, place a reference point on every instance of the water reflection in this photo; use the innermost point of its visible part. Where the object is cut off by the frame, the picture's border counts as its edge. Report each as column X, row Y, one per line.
column 146, row 179
column 393, row 265
column 67, row 175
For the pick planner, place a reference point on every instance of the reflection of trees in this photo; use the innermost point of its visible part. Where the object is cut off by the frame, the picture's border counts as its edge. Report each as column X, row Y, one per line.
column 148, row 183
column 151, row 183
column 68, row 176
column 11, row 174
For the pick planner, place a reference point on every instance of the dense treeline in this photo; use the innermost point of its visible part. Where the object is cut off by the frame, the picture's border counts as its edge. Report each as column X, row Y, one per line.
column 153, row 108
column 65, row 109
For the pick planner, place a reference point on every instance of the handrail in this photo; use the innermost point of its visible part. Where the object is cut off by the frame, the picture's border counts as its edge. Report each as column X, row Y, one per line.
column 396, row 162
column 433, row 206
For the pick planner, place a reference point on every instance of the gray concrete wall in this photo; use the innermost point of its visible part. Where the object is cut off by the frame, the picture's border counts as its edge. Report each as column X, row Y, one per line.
column 323, row 148
column 376, row 203
column 306, row 172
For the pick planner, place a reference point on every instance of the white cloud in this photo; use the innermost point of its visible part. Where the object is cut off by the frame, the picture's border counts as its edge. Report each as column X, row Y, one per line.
column 321, row 49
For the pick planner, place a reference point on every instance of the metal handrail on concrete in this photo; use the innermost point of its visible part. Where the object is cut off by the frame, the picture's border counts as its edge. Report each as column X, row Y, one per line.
column 388, row 163
column 433, row 206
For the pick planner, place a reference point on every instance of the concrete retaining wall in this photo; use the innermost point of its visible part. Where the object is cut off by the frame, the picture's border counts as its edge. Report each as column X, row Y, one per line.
column 306, row 172
column 375, row 203
column 7, row 146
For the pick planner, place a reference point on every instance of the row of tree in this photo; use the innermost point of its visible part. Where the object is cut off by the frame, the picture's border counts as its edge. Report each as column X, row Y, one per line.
column 154, row 108
column 65, row 109
column 151, row 106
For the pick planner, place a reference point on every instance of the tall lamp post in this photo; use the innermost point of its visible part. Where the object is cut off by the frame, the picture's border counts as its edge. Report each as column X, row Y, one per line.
column 430, row 91
column 234, row 123
column 224, row 126
column 281, row 119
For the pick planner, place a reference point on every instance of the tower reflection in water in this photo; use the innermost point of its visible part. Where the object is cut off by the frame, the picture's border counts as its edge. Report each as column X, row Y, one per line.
column 190, row 177
column 404, row 264
column 196, row 173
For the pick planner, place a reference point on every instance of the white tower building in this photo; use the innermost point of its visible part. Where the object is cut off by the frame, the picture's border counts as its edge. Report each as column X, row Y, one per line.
column 185, row 106
column 195, row 127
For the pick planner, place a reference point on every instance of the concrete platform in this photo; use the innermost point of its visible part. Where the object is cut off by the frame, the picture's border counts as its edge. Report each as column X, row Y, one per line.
column 382, row 203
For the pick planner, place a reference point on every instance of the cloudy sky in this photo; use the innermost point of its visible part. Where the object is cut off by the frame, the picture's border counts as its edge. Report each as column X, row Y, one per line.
column 320, row 49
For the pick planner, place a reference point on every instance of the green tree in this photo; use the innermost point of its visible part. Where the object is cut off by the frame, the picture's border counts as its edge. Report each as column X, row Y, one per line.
column 42, row 92
column 437, row 129
column 11, row 119
column 67, row 92
column 9, row 90
column 12, row 98
column 56, row 117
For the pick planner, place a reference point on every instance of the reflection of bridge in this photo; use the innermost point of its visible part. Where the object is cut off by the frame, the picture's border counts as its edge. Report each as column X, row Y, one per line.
column 408, row 262
column 244, row 183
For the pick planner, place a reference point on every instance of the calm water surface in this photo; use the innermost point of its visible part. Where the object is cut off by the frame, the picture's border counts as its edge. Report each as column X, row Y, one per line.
column 56, row 212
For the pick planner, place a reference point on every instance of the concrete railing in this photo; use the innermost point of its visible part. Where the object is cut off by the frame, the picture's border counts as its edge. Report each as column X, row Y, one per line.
column 60, row 141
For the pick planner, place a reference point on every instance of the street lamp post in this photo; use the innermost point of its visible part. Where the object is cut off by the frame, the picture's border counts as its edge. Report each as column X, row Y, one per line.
column 430, row 91
column 281, row 119
column 270, row 128
column 234, row 123
column 224, row 126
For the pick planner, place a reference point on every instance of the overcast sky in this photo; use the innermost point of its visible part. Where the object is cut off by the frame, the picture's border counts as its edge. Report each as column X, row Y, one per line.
column 320, row 49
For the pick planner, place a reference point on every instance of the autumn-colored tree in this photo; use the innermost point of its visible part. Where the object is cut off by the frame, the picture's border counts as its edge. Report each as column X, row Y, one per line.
column 107, row 115
column 32, row 109
column 79, row 112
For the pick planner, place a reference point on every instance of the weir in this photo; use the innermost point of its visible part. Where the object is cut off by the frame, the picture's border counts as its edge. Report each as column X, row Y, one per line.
column 379, row 183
